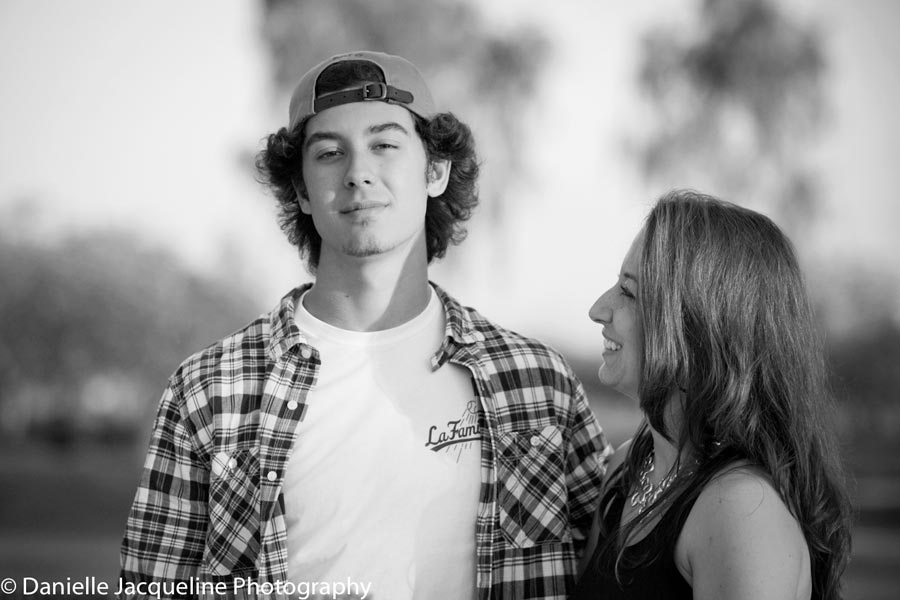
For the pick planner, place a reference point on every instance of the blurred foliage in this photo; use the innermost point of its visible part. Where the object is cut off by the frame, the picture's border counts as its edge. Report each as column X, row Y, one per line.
column 484, row 75
column 735, row 101
column 90, row 329
column 734, row 105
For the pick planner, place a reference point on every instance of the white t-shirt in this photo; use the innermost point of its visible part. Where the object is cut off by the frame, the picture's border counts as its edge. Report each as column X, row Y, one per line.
column 383, row 482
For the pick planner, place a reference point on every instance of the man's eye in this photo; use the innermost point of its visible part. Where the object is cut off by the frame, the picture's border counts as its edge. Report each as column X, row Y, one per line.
column 625, row 292
column 326, row 154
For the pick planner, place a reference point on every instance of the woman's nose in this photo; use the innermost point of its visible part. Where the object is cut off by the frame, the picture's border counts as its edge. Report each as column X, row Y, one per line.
column 600, row 311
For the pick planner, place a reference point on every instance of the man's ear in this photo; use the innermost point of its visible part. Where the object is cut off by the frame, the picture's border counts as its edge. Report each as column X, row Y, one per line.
column 437, row 177
column 302, row 198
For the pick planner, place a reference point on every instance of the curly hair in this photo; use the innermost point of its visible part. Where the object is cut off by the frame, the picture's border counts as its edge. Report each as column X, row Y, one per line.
column 444, row 137
column 726, row 320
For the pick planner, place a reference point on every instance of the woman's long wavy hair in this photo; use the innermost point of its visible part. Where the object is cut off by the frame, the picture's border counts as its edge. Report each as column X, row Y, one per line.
column 444, row 136
column 727, row 321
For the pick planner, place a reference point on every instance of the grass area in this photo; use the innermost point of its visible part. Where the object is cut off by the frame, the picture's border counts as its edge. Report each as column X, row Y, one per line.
column 64, row 509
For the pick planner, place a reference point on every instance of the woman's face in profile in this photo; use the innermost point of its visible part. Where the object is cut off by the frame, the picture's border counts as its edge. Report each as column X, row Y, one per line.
column 617, row 311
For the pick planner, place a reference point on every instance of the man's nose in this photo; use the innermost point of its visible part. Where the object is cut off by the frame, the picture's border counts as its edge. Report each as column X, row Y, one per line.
column 360, row 172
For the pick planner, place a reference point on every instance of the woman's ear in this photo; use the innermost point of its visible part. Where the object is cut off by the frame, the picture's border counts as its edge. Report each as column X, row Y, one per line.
column 437, row 177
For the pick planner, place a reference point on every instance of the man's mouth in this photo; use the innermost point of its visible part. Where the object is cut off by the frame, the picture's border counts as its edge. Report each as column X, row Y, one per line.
column 361, row 206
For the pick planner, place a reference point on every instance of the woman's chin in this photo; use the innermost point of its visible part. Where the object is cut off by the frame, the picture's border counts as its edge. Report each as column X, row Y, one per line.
column 608, row 378
column 605, row 378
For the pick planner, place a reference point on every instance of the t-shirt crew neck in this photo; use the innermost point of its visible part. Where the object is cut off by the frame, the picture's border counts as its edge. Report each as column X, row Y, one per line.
column 313, row 327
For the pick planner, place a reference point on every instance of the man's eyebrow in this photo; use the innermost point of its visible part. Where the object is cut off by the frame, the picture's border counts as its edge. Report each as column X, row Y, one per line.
column 320, row 136
column 628, row 275
column 390, row 125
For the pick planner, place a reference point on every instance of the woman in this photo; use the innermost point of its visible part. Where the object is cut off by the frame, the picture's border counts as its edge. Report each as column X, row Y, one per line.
column 731, row 487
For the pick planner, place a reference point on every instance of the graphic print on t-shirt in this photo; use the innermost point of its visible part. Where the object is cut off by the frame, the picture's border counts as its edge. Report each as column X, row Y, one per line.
column 455, row 437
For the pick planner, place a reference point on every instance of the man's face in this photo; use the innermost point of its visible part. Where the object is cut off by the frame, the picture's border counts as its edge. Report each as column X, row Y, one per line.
column 364, row 167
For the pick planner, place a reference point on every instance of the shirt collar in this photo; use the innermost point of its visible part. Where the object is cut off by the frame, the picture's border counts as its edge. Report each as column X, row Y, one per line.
column 460, row 325
column 285, row 333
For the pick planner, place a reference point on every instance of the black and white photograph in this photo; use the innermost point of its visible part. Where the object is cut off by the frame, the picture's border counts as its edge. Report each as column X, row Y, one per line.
column 450, row 299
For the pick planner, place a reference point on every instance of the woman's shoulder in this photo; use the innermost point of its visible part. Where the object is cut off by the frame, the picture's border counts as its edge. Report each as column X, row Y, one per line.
column 741, row 500
column 741, row 525
column 740, row 494
column 740, row 486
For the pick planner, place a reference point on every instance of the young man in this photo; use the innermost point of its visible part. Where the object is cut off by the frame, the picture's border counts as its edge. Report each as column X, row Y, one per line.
column 370, row 430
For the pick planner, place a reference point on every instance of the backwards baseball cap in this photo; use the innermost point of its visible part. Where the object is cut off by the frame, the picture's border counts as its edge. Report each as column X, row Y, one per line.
column 403, row 84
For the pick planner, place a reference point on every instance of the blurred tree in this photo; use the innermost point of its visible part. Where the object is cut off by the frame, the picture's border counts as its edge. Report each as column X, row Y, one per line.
column 90, row 329
column 734, row 105
column 485, row 76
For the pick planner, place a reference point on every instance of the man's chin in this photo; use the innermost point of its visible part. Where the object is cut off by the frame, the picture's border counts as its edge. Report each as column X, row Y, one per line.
column 365, row 249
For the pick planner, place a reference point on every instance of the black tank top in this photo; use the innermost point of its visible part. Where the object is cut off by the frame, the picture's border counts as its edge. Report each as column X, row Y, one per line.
column 658, row 579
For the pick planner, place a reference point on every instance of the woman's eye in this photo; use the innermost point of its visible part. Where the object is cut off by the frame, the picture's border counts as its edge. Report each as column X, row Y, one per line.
column 625, row 292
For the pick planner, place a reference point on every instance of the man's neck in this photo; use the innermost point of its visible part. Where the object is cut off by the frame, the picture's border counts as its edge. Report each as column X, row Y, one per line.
column 368, row 294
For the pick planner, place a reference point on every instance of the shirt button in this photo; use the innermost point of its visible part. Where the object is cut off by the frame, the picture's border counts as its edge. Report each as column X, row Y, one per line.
column 292, row 405
column 305, row 352
column 271, row 475
column 232, row 463
column 535, row 440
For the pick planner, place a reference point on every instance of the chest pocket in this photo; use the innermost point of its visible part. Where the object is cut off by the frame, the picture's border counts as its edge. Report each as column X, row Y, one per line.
column 532, row 488
column 233, row 538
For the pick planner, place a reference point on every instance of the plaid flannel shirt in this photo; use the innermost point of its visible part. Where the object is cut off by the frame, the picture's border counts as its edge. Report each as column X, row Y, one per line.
column 209, row 504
